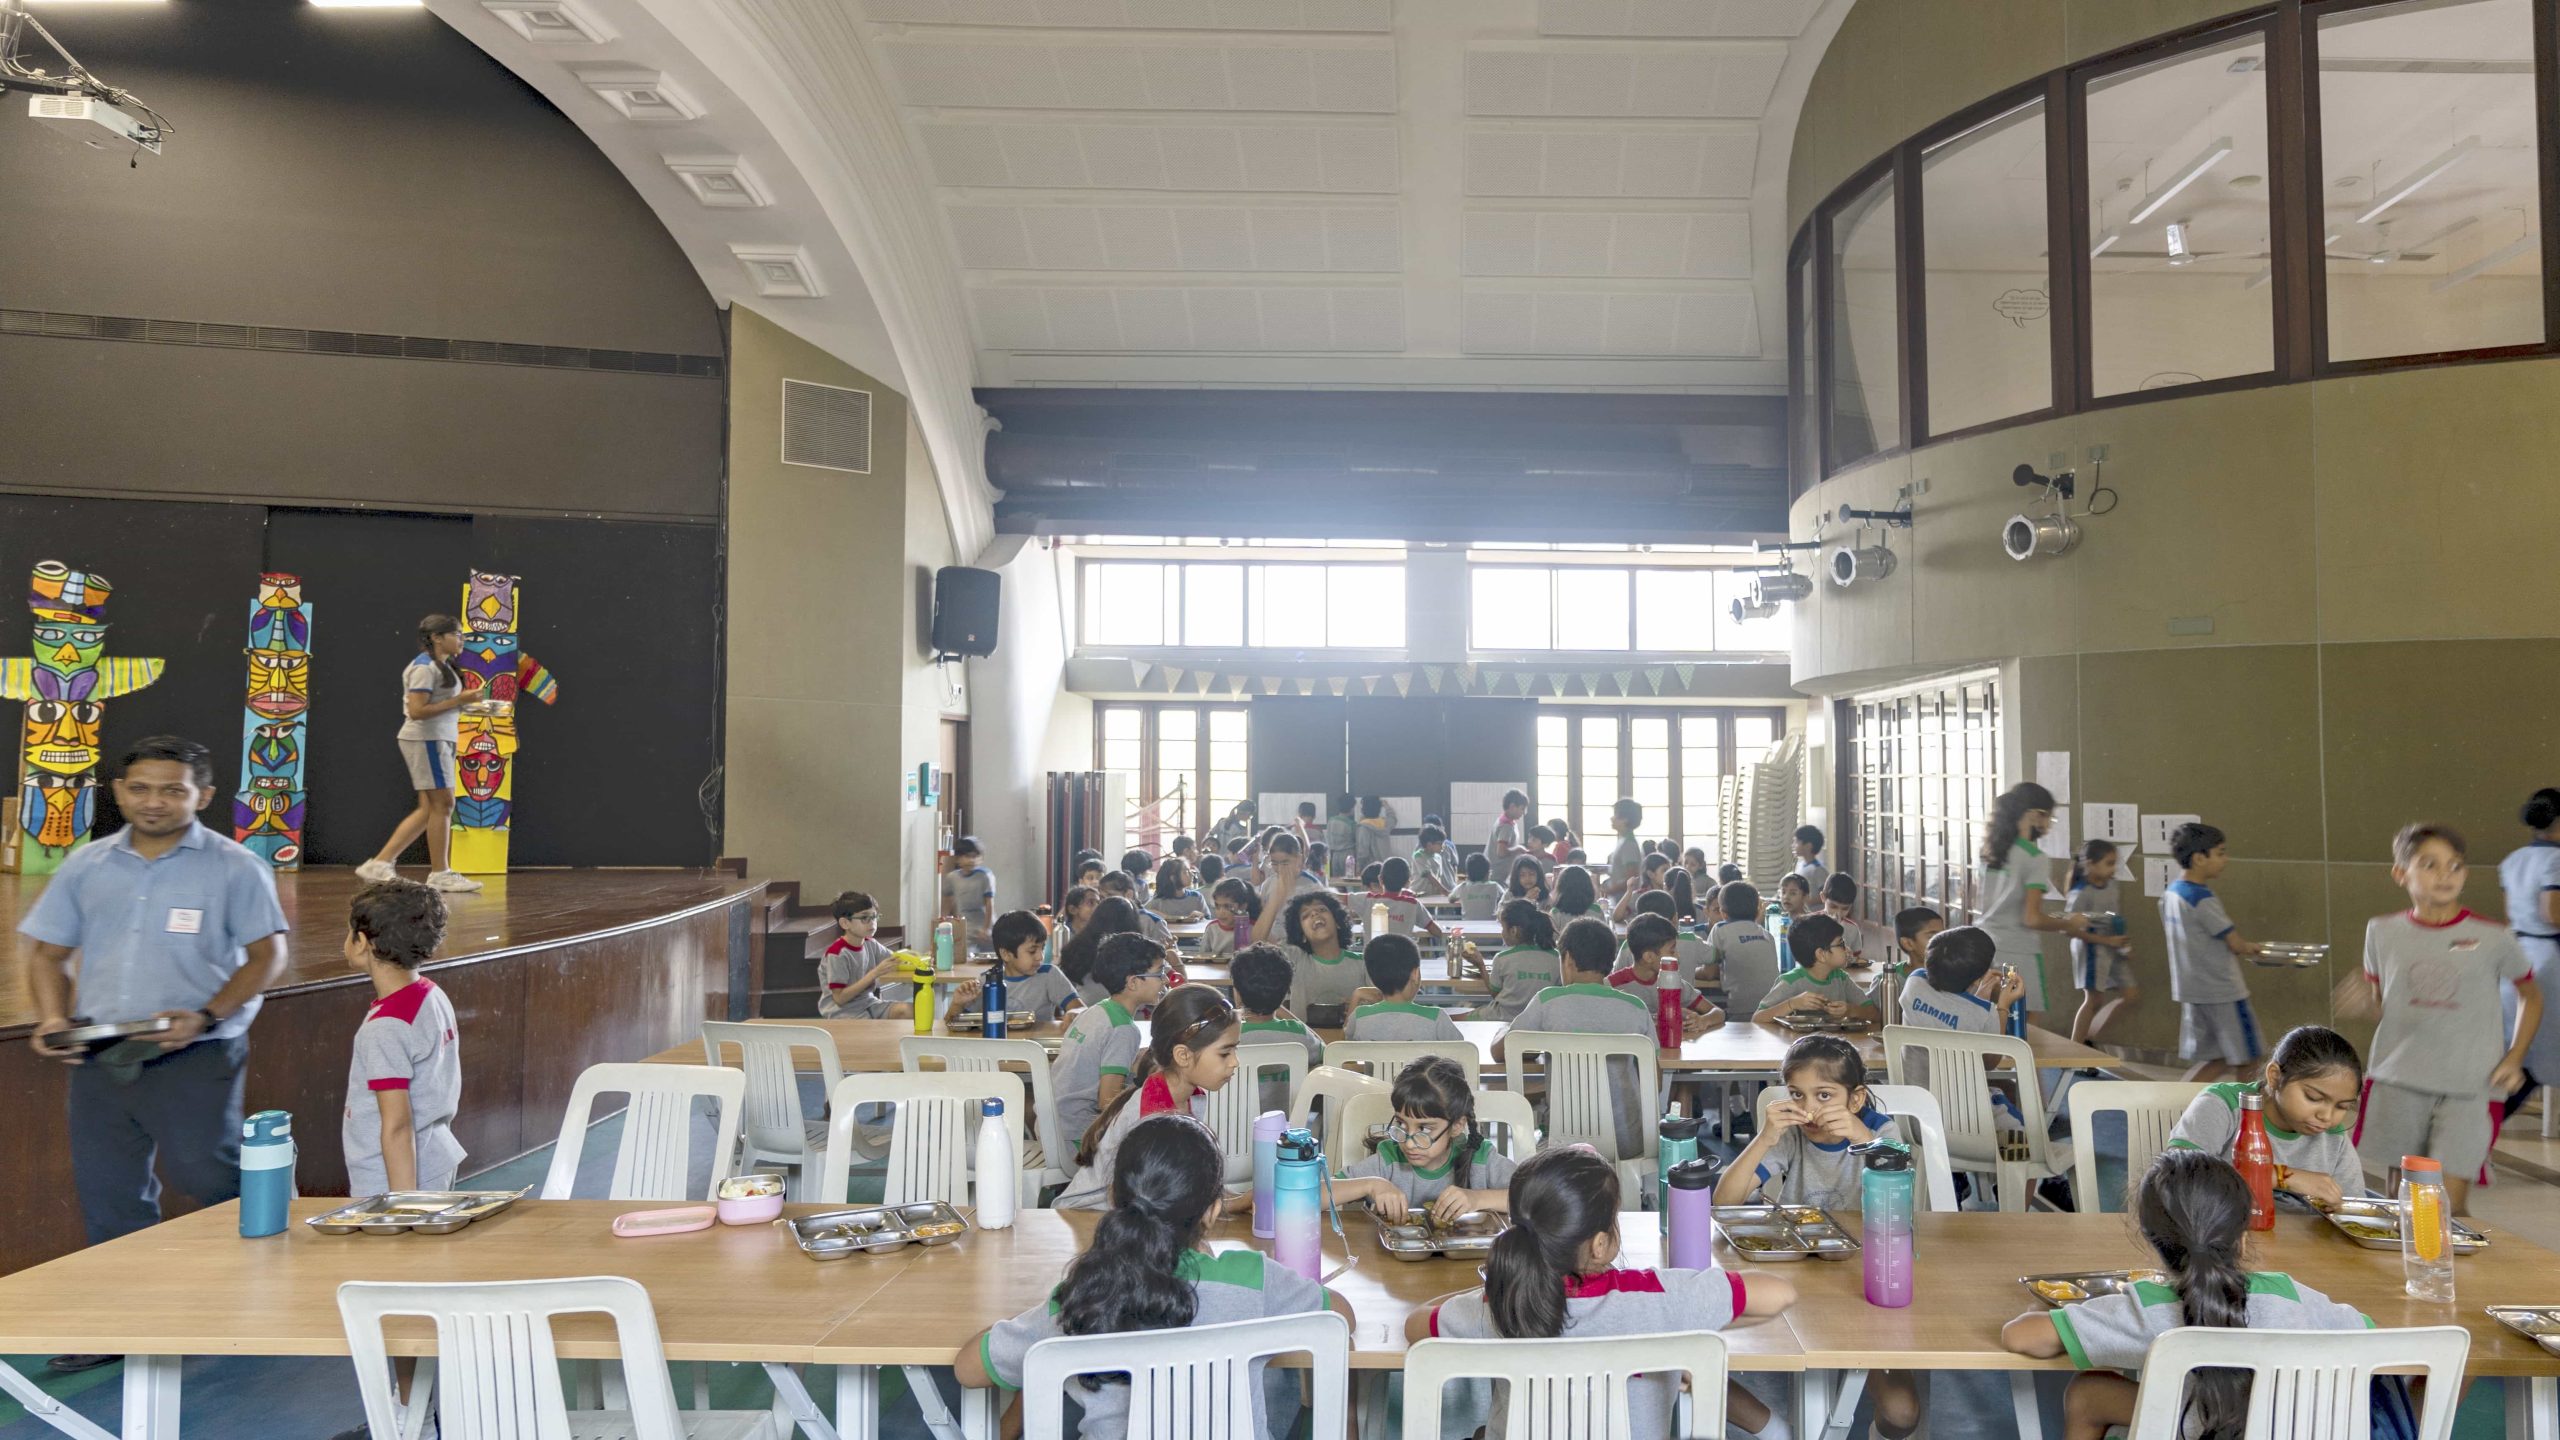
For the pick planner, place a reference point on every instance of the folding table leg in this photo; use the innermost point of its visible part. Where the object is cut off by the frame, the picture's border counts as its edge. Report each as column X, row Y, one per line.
column 421, row 1402
column 1850, row 1384
column 151, row 1397
column 795, row 1398
column 936, row 1411
column 1813, row 1403
column 47, row 1409
column 858, row 1402
column 2533, row 1404
column 2023, row 1403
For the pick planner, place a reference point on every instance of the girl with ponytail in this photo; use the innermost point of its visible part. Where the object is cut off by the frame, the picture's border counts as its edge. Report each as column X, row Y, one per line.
column 2193, row 1211
column 1525, row 965
column 2531, row 878
column 1191, row 1050
column 2015, row 879
column 1553, row 1273
column 1148, row 1268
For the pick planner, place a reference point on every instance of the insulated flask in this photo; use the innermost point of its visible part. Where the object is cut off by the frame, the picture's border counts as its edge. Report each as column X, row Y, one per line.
column 1885, row 1201
column 1267, row 1130
column 1666, row 1005
column 266, row 1173
column 1297, row 1173
column 994, row 1027
column 1691, row 1213
column 1679, row 1143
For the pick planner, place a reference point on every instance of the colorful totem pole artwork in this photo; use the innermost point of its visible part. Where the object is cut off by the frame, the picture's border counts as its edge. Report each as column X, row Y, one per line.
column 267, row 814
column 64, row 684
column 495, row 674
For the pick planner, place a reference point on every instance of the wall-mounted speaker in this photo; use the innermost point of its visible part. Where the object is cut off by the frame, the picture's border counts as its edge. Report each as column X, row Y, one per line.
column 964, row 610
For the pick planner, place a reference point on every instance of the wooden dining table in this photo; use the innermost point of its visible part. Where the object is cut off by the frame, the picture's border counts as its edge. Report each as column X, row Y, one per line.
column 193, row 1286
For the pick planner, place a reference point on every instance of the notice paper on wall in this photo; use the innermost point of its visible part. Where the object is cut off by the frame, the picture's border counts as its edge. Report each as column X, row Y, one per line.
column 2159, row 872
column 2156, row 830
column 1474, row 807
column 1404, row 816
column 2120, row 823
column 2053, row 772
column 1280, row 807
column 2057, row 839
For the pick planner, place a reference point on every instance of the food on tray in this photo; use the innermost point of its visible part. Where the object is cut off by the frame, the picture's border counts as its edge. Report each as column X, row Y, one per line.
column 939, row 1229
column 2058, row 1292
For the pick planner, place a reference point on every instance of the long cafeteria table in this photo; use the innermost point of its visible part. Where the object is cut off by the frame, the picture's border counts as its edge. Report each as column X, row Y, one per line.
column 193, row 1286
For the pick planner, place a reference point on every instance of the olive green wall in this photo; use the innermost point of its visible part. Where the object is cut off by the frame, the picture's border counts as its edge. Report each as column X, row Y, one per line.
column 1899, row 66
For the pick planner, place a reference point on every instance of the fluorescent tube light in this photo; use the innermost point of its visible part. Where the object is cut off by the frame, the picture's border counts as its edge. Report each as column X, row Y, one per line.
column 2214, row 154
column 369, row 4
column 2106, row 242
column 2415, row 180
column 2485, row 263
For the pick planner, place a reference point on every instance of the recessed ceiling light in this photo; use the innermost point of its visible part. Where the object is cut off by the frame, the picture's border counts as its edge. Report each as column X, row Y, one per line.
column 2349, row 182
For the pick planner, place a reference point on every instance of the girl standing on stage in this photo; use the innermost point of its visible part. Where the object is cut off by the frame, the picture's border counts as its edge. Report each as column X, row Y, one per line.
column 432, row 692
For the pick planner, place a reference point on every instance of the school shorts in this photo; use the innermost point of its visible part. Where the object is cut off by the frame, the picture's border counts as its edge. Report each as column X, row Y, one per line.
column 2225, row 1030
column 2450, row 1129
column 2100, row 967
column 430, row 763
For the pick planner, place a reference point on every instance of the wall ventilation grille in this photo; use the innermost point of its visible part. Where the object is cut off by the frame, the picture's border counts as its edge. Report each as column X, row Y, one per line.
column 826, row 427
column 70, row 326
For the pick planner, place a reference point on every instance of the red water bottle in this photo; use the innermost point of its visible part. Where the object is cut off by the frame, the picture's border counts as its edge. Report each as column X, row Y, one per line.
column 1666, row 1004
column 2254, row 1156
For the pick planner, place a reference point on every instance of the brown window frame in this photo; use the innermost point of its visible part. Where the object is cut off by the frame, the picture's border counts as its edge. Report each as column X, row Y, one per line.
column 1573, row 802
column 1151, row 780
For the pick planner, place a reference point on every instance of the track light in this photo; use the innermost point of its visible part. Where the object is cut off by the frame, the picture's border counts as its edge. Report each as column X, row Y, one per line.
column 2194, row 170
column 1860, row 564
column 2179, row 254
column 2026, row 537
column 1746, row 611
column 1784, row 585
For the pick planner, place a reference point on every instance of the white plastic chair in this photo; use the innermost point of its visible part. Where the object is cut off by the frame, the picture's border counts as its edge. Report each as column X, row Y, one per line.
column 655, row 1156
column 500, row 1370
column 1510, row 1121
column 1231, row 1109
column 1962, row 1085
column 1567, row 1389
column 2307, row 1384
column 776, row 1130
column 1048, row 1157
column 2150, row 1108
column 1201, row 1383
column 933, row 1134
column 1385, row 1059
column 1915, row 1113
column 1582, row 1101
column 1334, row 1088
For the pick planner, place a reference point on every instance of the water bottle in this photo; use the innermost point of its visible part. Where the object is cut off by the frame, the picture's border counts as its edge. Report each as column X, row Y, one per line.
column 1666, row 1004
column 2016, row 1020
column 924, row 1003
column 1297, row 1170
column 2426, row 1231
column 1679, row 1144
column 1378, row 919
column 999, row 1169
column 1244, row 932
column 266, row 1173
column 1885, row 1200
column 994, row 1026
column 1267, row 1130
column 2253, row 1154
column 1690, row 1216
column 942, row 937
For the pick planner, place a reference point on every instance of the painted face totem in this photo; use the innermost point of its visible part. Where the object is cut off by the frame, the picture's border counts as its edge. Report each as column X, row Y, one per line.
column 62, row 683
column 496, row 674
column 268, row 813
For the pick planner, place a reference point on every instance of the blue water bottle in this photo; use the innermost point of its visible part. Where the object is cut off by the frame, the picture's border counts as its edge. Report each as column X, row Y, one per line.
column 1297, row 1172
column 266, row 1173
column 994, row 1029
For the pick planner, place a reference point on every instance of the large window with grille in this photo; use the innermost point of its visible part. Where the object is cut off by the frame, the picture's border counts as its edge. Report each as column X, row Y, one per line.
column 1669, row 759
column 1181, row 766
column 1919, row 768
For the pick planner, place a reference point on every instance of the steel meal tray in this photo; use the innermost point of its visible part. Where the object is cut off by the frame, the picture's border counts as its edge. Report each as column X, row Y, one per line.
column 875, row 1229
column 1418, row 1237
column 2374, row 1223
column 1776, row 1234
column 2074, row 1286
column 415, row 1212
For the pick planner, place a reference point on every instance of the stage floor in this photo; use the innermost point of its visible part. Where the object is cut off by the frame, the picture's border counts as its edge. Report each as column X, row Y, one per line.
column 528, row 908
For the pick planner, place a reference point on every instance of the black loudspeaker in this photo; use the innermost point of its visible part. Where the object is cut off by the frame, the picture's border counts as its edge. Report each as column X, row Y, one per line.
column 964, row 610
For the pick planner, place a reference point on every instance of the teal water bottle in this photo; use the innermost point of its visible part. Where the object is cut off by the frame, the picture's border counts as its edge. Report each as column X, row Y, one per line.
column 1679, row 1143
column 1886, row 1200
column 1297, row 1172
column 266, row 1173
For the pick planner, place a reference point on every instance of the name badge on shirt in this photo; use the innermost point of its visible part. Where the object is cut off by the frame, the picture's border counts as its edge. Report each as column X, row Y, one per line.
column 185, row 922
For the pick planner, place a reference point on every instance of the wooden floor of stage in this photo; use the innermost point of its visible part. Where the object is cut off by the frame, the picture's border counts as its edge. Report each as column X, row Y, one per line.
column 514, row 912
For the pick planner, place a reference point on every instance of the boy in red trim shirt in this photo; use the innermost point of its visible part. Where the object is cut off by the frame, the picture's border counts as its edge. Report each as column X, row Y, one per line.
column 405, row 1079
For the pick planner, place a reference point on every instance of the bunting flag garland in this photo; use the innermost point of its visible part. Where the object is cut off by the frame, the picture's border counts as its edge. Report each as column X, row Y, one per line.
column 1466, row 679
column 1140, row 669
column 1337, row 684
column 1432, row 675
column 1236, row 684
column 1201, row 682
column 1684, row 672
column 1306, row 687
column 1654, row 676
column 1172, row 678
column 1556, row 684
column 1626, row 682
column 1404, row 682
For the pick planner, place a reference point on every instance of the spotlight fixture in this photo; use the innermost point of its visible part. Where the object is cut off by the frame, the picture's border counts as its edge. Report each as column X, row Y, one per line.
column 1747, row 610
column 1782, row 586
column 2026, row 535
column 1860, row 564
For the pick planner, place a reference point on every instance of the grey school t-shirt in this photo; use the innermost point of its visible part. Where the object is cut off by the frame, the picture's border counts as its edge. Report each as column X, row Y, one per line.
column 1316, row 982
column 2442, row 1029
column 407, row 1042
column 845, row 963
column 1614, row 1302
column 1045, row 992
column 1101, row 1040
column 1435, row 870
column 1626, row 860
column 1401, row 1020
column 1799, row 1170
column 971, row 893
column 2202, row 969
column 1477, row 899
column 2114, row 1332
column 2088, row 899
column 1598, row 1010
column 425, row 677
column 1924, row 1004
column 1800, row 981
column 1517, row 975
column 2212, row 1124
column 1175, row 909
column 1229, row 1286
column 1487, row 1169
column 1746, row 958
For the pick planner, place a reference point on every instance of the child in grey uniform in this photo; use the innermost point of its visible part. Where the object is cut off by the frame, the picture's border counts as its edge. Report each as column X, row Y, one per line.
column 2101, row 964
column 1745, row 957
column 1261, row 976
column 1584, row 1004
column 1326, row 974
column 2193, row 1211
column 1525, row 965
column 1148, row 1268
column 2216, row 1029
column 404, row 1081
column 1395, row 972
column 1478, row 897
column 1042, row 990
column 1433, row 1157
column 2309, row 1090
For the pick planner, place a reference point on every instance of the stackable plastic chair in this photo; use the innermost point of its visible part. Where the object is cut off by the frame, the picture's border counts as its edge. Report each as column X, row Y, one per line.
column 1385, row 1059
column 1231, row 1110
column 2150, row 1109
column 1333, row 1088
column 1582, row 1104
column 1509, row 1118
column 1915, row 1112
column 501, row 1370
column 1049, row 1155
column 933, row 1132
column 776, row 1130
column 2306, row 1384
column 655, row 1157
column 1962, row 1085
column 1567, row 1389
column 1198, row 1383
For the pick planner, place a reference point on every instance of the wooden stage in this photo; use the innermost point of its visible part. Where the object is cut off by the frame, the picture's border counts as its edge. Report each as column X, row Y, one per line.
column 548, row 971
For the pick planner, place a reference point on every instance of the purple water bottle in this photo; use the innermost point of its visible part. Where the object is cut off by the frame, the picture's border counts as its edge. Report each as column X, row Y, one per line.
column 1268, row 1127
column 1692, row 1208
column 1885, row 1201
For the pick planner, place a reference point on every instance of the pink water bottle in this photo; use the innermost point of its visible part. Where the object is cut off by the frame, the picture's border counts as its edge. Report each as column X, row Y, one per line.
column 1666, row 1004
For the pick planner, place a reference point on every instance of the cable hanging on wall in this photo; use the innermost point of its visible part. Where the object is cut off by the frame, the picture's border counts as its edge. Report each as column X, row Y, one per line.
column 2028, row 534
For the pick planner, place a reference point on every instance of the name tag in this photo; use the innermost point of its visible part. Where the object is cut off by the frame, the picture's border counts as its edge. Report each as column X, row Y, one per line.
column 185, row 922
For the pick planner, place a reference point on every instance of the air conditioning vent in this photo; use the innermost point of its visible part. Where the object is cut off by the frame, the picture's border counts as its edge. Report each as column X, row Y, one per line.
column 826, row 427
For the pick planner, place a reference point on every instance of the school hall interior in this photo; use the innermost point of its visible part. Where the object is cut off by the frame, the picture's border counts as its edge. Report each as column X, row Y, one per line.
column 2013, row 508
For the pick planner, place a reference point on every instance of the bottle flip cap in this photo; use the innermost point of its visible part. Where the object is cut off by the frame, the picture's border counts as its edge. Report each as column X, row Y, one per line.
column 1691, row 1175
column 1883, row 1154
column 1676, row 1126
column 2421, row 1164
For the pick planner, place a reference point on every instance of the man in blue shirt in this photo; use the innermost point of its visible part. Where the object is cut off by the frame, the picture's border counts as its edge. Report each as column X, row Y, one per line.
column 164, row 918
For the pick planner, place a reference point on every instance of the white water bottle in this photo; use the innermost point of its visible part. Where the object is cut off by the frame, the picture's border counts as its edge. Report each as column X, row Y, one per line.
column 1378, row 920
column 999, row 1170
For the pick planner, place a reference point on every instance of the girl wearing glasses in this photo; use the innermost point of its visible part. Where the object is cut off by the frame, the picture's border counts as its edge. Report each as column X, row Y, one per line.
column 1433, row 1156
